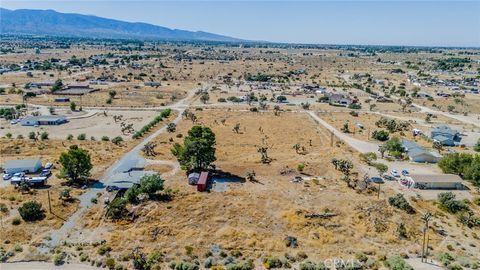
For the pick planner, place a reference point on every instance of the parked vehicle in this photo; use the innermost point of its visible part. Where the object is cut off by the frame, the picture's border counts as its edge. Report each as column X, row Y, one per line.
column 389, row 178
column 7, row 176
column 45, row 172
column 48, row 166
column 405, row 173
column 376, row 180
column 395, row 173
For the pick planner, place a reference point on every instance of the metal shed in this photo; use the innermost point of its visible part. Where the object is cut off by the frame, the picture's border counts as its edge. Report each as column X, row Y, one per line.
column 202, row 181
column 24, row 165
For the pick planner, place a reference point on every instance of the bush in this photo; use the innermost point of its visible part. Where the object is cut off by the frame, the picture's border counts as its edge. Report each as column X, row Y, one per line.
column 355, row 106
column 69, row 137
column 400, row 202
column 110, row 263
column 270, row 262
column 117, row 140
column 16, row 221
column 183, row 266
column 397, row 263
column 58, row 259
column 380, row 135
column 44, row 136
column 105, row 138
column 243, row 265
column 102, row 250
column 31, row 211
column 447, row 201
column 81, row 137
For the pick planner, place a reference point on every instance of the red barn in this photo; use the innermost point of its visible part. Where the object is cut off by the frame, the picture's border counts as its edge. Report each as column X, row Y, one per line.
column 202, row 181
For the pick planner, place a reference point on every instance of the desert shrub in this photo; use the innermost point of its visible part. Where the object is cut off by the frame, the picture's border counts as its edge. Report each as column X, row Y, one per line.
column 183, row 266
column 81, row 137
column 400, row 202
column 270, row 262
column 105, row 138
column 31, row 211
column 59, row 259
column 222, row 100
column 110, row 263
column 44, row 136
column 83, row 257
column 308, row 265
column 362, row 257
column 18, row 248
column 103, row 249
column 445, row 258
column 455, row 266
column 16, row 221
column 354, row 113
column 94, row 200
column 117, row 140
column 447, row 201
column 397, row 263
column 243, row 265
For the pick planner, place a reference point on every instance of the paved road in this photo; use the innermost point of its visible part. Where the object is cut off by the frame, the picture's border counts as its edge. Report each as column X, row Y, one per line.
column 359, row 145
column 473, row 120
column 57, row 236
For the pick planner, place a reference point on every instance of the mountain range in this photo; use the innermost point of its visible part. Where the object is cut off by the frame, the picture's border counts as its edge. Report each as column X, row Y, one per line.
column 53, row 23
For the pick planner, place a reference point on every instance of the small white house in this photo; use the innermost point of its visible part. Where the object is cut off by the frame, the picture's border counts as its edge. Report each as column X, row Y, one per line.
column 23, row 165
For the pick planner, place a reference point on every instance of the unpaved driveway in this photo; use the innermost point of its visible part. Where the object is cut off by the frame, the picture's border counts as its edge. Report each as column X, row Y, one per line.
column 359, row 145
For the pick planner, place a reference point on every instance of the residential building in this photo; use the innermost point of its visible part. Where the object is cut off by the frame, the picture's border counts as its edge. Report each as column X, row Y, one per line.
column 416, row 153
column 49, row 120
column 446, row 136
column 437, row 181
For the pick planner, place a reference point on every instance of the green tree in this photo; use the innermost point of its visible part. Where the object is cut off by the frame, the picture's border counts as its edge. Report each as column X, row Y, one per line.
column 455, row 163
column 76, row 163
column 117, row 140
column 380, row 135
column 57, row 86
column 31, row 211
column 112, row 94
column 394, row 147
column 150, row 184
column 73, row 106
column 198, row 149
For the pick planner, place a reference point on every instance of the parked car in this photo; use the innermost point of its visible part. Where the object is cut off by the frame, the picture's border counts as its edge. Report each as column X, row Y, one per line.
column 45, row 172
column 7, row 176
column 389, row 178
column 395, row 173
column 19, row 174
column 48, row 166
column 405, row 173
column 376, row 180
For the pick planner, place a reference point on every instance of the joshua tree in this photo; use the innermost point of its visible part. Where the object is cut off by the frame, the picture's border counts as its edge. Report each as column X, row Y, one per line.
column 426, row 218
column 345, row 128
column 251, row 176
column 297, row 148
column 236, row 128
column 149, row 149
column 263, row 150
column 335, row 163
column 437, row 145
column 276, row 110
column 382, row 149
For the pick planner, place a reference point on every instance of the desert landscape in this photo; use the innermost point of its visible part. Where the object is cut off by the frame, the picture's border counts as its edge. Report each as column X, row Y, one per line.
column 313, row 157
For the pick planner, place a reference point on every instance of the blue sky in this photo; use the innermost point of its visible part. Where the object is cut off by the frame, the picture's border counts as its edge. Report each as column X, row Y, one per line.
column 424, row 23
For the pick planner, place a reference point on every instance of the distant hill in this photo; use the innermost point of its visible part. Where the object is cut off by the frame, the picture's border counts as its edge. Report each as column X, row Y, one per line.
column 50, row 22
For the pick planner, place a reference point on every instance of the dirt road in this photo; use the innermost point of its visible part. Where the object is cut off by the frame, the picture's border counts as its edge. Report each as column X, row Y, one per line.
column 44, row 266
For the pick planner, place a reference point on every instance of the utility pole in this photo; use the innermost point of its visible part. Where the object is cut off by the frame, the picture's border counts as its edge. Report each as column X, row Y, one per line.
column 331, row 138
column 378, row 194
column 49, row 202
